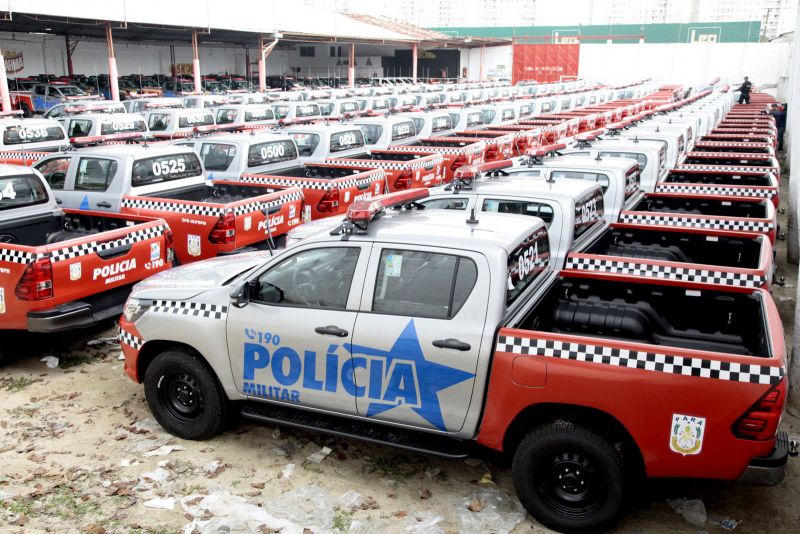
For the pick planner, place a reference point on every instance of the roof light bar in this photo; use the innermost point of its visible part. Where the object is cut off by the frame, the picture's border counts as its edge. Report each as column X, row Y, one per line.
column 364, row 211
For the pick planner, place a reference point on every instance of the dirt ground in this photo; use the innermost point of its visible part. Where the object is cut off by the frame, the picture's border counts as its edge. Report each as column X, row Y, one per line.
column 79, row 452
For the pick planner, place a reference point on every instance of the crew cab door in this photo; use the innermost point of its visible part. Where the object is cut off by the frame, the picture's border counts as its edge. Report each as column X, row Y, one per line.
column 89, row 185
column 56, row 170
column 418, row 336
column 290, row 342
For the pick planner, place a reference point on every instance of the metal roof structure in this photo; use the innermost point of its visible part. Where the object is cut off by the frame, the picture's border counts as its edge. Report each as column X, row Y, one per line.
column 221, row 22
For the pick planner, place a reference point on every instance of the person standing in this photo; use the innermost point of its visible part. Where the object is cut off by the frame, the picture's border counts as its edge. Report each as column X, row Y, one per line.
column 744, row 90
column 779, row 112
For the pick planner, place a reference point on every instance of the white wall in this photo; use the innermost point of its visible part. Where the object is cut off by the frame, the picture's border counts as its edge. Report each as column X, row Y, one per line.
column 497, row 62
column 689, row 63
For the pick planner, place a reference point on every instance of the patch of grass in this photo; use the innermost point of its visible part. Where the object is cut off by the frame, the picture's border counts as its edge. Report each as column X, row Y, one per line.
column 342, row 520
column 235, row 483
column 18, row 507
column 397, row 467
column 27, row 411
column 73, row 360
column 17, row 384
column 65, row 504
column 308, row 466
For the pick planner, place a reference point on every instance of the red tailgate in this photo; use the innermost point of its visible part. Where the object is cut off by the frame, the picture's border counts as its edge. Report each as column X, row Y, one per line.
column 424, row 170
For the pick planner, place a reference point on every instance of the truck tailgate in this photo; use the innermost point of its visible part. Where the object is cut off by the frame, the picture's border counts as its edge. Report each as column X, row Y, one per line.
column 471, row 153
column 422, row 170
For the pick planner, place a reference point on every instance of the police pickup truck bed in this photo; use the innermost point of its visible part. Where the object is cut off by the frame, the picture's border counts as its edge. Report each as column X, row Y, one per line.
column 404, row 170
column 456, row 152
column 364, row 332
column 61, row 270
column 722, row 180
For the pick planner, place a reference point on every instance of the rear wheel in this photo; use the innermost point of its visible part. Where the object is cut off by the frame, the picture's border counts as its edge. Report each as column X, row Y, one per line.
column 570, row 478
column 184, row 395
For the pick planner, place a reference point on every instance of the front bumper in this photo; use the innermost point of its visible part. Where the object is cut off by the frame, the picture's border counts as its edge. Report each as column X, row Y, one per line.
column 769, row 470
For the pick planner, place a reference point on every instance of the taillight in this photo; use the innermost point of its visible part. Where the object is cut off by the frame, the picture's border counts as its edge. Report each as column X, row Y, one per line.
column 460, row 161
column 224, row 232
column 169, row 244
column 330, row 201
column 404, row 180
column 37, row 281
column 760, row 421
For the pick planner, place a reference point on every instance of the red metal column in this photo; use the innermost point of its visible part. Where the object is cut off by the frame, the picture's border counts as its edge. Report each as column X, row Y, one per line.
column 262, row 65
column 414, row 54
column 351, row 67
column 5, row 99
column 112, row 65
column 198, row 85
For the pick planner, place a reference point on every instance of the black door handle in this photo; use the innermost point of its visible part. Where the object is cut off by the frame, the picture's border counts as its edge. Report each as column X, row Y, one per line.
column 103, row 204
column 331, row 330
column 451, row 344
column 59, row 201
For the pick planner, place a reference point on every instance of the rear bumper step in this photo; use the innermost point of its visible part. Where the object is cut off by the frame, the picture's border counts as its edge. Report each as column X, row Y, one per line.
column 769, row 470
column 355, row 429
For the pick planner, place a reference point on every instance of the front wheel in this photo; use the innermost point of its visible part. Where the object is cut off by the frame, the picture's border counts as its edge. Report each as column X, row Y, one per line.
column 184, row 395
column 570, row 478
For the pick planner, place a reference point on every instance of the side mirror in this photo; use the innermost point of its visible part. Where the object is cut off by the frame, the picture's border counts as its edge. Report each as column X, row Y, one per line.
column 240, row 295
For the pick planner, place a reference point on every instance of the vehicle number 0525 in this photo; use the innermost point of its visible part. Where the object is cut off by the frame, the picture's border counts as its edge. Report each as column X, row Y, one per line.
column 170, row 166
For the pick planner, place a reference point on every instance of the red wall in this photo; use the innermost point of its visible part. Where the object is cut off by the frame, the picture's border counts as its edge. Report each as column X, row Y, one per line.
column 544, row 62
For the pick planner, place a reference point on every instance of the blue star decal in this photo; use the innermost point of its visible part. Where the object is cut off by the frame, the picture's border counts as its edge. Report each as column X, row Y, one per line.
column 433, row 377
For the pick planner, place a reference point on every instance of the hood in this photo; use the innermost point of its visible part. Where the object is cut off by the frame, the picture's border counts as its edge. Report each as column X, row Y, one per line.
column 186, row 281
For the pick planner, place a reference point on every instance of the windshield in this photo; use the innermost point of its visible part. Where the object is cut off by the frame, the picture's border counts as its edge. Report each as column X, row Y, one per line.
column 20, row 135
column 165, row 168
column 20, row 191
column 71, row 90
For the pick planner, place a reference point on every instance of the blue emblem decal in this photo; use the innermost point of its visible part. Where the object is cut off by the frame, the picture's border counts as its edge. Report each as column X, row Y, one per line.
column 85, row 203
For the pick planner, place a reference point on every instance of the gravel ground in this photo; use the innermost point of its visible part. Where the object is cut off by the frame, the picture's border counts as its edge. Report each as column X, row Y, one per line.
column 79, row 452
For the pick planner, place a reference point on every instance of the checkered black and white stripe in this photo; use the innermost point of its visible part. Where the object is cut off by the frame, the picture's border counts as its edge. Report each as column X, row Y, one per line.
column 731, row 144
column 303, row 183
column 729, row 155
column 681, row 221
column 763, row 192
column 177, row 207
column 16, row 256
column 194, row 309
column 130, row 340
column 35, row 156
column 745, row 169
column 647, row 361
column 68, row 253
column 666, row 272
column 250, row 207
column 361, row 182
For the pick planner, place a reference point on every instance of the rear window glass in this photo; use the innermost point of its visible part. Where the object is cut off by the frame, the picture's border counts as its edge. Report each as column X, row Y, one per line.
column 20, row 135
column 347, row 140
column 508, row 114
column 588, row 212
column 217, row 156
column 109, row 127
column 347, row 107
column 270, row 153
column 526, row 262
column 306, row 142
column 441, row 123
column 547, row 106
column 473, row 119
column 258, row 114
column 20, row 191
column 309, row 110
column 380, row 103
column 525, row 110
column 640, row 158
column 565, row 104
column 403, row 130
column 520, row 207
column 227, row 115
column 195, row 119
column 159, row 121
column 165, row 168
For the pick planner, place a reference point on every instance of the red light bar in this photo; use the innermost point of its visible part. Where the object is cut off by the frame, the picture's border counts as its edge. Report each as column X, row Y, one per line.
column 364, row 210
column 546, row 149
column 471, row 171
column 590, row 135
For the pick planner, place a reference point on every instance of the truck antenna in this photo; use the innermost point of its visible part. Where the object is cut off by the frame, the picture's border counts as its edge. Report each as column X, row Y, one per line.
column 472, row 219
column 270, row 243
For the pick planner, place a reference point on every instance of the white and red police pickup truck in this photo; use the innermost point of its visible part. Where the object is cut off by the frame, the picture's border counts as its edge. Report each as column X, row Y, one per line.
column 66, row 269
column 208, row 218
column 456, row 152
column 469, row 339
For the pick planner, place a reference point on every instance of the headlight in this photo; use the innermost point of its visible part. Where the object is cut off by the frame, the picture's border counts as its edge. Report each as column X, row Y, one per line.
column 134, row 308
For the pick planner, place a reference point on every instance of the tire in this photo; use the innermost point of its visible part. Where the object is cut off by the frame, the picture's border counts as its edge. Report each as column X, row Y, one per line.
column 594, row 493
column 184, row 395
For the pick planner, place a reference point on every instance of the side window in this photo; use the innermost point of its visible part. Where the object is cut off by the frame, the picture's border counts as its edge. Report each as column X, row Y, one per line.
column 95, row 174
column 55, row 111
column 447, row 203
column 79, row 127
column 640, row 158
column 54, row 171
column 599, row 178
column 41, row 90
column 306, row 143
column 372, row 133
column 217, row 156
column 520, row 207
column 422, row 284
column 52, row 91
column 317, row 278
